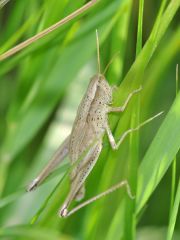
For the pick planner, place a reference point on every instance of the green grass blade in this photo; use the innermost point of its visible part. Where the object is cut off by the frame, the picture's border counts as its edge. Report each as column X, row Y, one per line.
column 158, row 19
column 10, row 198
column 133, row 153
column 140, row 26
column 20, row 32
column 159, row 155
column 143, row 59
column 29, row 233
column 173, row 181
column 174, row 214
column 156, row 72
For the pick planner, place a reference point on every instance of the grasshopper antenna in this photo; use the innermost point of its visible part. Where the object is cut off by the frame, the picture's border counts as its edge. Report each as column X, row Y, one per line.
column 111, row 61
column 98, row 52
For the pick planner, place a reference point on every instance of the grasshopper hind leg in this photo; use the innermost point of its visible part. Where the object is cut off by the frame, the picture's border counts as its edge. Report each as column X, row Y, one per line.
column 79, row 178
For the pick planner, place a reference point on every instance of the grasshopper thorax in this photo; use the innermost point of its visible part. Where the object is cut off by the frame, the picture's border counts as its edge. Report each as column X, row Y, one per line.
column 104, row 90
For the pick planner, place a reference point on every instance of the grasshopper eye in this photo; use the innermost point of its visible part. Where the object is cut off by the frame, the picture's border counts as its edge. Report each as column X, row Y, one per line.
column 101, row 78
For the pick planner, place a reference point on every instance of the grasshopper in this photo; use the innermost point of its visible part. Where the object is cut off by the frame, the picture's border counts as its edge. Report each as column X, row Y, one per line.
column 90, row 125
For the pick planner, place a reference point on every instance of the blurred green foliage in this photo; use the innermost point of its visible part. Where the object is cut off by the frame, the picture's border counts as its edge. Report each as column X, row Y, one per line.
column 40, row 89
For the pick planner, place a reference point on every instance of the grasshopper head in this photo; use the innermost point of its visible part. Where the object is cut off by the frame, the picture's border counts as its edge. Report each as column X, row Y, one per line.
column 104, row 88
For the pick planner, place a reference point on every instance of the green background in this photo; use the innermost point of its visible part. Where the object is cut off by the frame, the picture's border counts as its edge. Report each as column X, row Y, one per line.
column 40, row 89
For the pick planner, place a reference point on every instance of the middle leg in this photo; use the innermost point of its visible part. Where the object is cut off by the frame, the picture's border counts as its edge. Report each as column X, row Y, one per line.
column 112, row 141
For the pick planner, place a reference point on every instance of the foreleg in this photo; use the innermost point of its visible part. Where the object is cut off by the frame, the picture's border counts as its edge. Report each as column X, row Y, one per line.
column 123, row 107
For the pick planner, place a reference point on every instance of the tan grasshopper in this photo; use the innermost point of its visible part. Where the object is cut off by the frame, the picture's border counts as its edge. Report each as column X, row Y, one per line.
column 89, row 127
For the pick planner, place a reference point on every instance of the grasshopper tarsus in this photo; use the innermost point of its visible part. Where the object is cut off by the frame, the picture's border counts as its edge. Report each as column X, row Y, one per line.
column 63, row 212
column 128, row 189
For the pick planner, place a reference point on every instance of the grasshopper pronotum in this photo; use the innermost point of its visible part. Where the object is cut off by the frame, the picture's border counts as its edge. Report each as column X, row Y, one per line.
column 89, row 127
